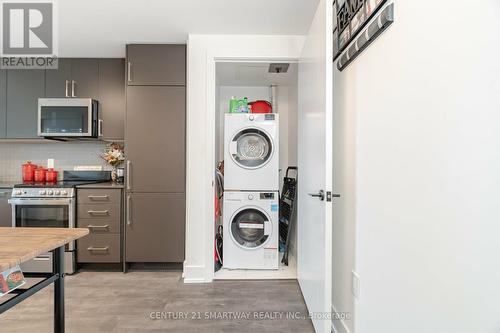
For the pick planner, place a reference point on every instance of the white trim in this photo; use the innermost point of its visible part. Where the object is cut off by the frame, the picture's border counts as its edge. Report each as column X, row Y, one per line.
column 216, row 48
column 212, row 59
column 343, row 328
column 194, row 274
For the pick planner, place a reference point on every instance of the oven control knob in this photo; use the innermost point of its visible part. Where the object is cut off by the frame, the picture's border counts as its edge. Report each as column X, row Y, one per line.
column 50, row 192
column 57, row 192
column 63, row 192
column 42, row 192
column 250, row 197
column 19, row 192
column 251, row 117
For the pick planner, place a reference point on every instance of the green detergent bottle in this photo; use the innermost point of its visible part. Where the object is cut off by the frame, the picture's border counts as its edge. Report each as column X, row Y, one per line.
column 238, row 105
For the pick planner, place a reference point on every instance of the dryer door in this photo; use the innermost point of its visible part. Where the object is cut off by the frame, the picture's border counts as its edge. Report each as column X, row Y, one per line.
column 251, row 148
column 250, row 228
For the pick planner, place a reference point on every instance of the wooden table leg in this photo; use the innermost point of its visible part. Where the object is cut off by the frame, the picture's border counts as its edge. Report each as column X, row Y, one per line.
column 58, row 268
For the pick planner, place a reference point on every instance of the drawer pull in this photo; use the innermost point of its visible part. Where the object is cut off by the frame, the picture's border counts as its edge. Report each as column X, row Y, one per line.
column 100, row 249
column 98, row 197
column 90, row 226
column 98, row 212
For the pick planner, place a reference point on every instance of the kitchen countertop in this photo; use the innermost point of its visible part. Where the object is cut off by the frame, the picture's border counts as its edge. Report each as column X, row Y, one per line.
column 11, row 184
column 102, row 185
column 18, row 245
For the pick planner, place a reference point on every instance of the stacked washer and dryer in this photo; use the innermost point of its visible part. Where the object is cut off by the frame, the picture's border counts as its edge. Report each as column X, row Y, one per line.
column 251, row 185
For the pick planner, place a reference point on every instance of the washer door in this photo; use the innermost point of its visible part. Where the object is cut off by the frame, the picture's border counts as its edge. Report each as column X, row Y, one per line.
column 250, row 228
column 251, row 148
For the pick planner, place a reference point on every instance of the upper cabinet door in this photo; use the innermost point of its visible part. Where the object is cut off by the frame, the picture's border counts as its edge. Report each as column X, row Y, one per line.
column 73, row 78
column 3, row 103
column 84, row 78
column 24, row 88
column 58, row 81
column 112, row 97
column 156, row 65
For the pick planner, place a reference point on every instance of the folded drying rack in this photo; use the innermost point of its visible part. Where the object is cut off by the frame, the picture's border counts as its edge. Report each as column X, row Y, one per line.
column 287, row 207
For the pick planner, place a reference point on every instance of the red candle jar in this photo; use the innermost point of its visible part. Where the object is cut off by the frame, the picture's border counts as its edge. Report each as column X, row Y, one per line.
column 51, row 176
column 40, row 174
column 28, row 172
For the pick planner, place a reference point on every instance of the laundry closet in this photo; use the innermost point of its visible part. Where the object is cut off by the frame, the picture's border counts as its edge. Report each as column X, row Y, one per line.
column 256, row 135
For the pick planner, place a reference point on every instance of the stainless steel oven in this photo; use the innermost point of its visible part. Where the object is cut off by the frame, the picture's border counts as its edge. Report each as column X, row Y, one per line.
column 69, row 117
column 44, row 213
column 31, row 210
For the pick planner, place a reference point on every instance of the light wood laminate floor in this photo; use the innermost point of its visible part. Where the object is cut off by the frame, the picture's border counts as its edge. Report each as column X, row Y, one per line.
column 115, row 302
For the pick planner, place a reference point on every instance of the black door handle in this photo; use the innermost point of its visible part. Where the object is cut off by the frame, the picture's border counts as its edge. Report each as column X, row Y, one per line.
column 320, row 195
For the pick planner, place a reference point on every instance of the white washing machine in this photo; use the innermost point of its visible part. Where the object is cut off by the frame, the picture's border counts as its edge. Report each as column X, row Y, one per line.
column 250, row 230
column 251, row 152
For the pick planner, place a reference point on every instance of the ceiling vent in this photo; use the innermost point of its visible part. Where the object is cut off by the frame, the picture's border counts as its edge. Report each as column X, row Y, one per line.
column 278, row 68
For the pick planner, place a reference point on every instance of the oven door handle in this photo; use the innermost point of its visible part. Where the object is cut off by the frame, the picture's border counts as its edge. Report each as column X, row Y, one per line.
column 40, row 202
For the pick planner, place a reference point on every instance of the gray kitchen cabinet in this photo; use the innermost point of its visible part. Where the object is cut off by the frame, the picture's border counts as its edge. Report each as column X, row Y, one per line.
column 5, row 208
column 155, row 227
column 24, row 87
column 155, row 64
column 99, row 210
column 155, row 138
column 85, row 78
column 112, row 97
column 77, row 77
column 3, row 103
column 58, row 81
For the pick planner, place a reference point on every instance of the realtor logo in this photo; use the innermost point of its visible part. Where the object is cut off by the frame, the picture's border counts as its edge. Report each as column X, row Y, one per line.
column 28, row 34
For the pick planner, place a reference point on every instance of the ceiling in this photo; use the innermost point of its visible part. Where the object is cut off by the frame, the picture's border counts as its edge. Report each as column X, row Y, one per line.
column 253, row 74
column 101, row 28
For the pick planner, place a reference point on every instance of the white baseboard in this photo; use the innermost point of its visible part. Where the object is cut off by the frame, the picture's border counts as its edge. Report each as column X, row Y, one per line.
column 194, row 274
column 341, row 326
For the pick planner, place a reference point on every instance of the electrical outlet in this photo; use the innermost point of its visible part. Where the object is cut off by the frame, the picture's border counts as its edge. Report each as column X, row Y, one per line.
column 355, row 284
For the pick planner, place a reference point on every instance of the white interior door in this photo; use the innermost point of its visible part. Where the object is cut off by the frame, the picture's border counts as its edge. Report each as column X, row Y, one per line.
column 315, row 167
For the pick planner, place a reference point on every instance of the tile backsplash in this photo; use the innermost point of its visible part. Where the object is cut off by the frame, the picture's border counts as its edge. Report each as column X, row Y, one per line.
column 65, row 154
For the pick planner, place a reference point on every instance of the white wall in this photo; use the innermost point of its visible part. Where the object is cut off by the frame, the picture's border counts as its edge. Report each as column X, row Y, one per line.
column 203, row 51
column 425, row 101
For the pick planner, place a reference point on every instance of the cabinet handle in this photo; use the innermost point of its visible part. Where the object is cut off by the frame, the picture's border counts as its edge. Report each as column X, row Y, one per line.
column 98, row 197
column 129, row 208
column 66, row 88
column 73, row 88
column 129, row 74
column 42, row 258
column 90, row 226
column 98, row 212
column 102, row 249
column 129, row 174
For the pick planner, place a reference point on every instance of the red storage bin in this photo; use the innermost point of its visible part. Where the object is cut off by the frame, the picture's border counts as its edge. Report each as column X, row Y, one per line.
column 51, row 176
column 40, row 174
column 261, row 107
column 28, row 170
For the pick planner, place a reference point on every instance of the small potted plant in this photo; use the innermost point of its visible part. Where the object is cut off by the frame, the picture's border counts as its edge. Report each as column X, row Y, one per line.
column 114, row 156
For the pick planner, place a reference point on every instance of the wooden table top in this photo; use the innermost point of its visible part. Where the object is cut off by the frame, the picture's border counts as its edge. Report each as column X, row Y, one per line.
column 18, row 245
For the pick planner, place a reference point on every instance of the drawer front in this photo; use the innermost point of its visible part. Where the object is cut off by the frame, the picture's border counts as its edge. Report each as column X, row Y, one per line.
column 99, row 212
column 100, row 226
column 98, row 248
column 99, row 196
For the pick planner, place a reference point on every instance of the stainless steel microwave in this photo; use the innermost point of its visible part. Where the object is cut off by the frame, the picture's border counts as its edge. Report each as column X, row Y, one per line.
column 69, row 117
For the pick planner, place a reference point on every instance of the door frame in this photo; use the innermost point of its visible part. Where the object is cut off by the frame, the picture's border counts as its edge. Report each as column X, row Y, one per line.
column 212, row 59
